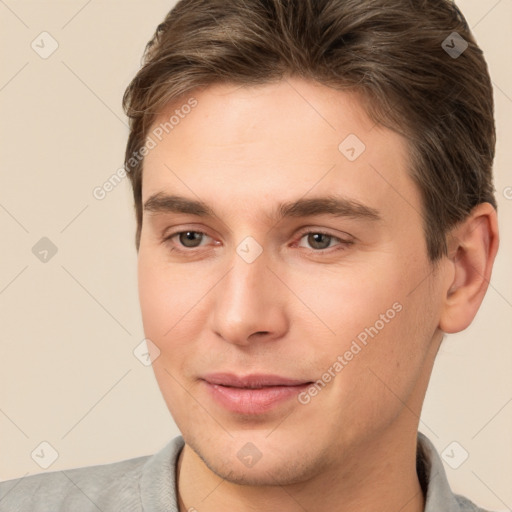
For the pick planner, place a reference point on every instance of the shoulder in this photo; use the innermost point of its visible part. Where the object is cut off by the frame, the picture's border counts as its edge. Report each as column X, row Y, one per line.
column 439, row 495
column 113, row 487
column 84, row 489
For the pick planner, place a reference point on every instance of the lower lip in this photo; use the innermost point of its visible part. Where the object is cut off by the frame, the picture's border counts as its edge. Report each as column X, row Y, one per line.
column 253, row 401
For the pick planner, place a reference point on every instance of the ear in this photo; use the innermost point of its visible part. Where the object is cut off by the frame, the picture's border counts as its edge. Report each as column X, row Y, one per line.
column 472, row 247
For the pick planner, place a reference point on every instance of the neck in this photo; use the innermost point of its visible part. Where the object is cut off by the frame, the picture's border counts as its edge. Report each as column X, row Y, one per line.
column 379, row 476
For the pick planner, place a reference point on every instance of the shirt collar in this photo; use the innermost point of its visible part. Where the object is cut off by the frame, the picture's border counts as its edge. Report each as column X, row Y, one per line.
column 433, row 478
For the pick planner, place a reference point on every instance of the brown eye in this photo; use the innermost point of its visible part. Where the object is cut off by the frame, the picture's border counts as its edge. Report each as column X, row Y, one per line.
column 319, row 240
column 190, row 239
column 321, row 243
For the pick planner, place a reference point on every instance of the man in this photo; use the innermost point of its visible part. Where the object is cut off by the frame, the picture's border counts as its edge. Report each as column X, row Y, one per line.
column 313, row 191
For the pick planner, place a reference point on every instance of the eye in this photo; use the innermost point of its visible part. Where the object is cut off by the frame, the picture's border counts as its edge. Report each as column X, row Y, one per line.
column 189, row 239
column 319, row 241
column 314, row 241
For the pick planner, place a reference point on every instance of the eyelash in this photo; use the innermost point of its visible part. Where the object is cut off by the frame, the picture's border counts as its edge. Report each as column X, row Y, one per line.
column 339, row 247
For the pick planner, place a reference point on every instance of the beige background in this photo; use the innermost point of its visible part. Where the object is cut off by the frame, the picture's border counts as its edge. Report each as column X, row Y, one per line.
column 68, row 375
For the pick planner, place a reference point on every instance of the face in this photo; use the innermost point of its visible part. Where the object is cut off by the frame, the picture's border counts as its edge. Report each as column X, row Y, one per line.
column 284, row 279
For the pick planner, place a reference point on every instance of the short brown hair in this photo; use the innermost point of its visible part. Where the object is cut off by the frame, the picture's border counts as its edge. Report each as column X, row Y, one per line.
column 393, row 52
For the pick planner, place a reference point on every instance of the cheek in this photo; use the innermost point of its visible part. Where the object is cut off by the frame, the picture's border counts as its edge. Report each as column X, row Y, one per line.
column 380, row 329
column 166, row 291
column 347, row 301
column 156, row 300
column 170, row 302
column 170, row 305
column 390, row 366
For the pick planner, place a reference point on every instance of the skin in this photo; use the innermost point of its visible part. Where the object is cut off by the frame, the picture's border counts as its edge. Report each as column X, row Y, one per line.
column 293, row 311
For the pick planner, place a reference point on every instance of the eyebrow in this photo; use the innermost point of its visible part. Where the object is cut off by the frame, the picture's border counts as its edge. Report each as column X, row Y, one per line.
column 336, row 206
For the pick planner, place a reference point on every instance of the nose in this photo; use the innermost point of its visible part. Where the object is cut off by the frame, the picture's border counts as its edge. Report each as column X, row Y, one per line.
column 249, row 303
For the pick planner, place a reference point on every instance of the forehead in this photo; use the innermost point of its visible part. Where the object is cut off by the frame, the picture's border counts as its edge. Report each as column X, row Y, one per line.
column 255, row 145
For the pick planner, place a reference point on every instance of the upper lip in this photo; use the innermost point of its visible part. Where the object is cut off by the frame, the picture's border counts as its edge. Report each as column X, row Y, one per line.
column 251, row 381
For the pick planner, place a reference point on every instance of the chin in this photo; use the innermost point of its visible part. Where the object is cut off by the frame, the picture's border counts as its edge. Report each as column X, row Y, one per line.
column 268, row 467
column 272, row 473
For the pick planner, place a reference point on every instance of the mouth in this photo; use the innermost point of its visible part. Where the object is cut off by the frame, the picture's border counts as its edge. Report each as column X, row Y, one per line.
column 252, row 394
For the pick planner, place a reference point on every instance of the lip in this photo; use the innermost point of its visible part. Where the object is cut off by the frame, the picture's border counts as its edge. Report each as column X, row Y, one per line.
column 255, row 380
column 252, row 394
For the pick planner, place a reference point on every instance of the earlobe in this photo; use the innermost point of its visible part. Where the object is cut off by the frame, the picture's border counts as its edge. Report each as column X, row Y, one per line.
column 472, row 249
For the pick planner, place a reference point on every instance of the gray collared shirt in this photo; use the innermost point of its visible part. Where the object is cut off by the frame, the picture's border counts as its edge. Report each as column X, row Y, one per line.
column 148, row 484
